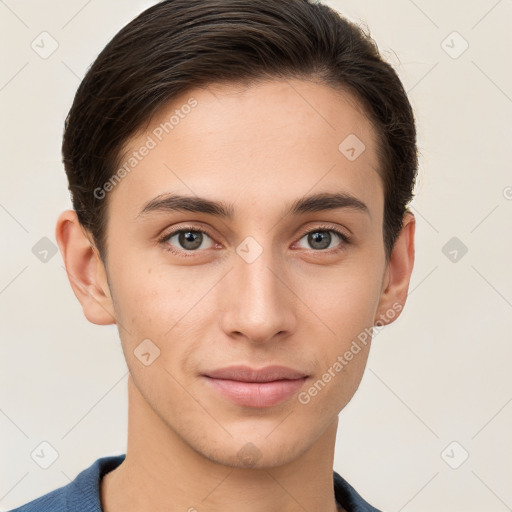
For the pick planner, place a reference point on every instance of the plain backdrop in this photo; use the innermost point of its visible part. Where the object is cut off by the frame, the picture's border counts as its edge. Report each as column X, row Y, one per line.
column 429, row 428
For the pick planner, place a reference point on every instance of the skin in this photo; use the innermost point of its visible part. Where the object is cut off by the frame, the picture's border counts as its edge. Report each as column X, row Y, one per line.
column 260, row 148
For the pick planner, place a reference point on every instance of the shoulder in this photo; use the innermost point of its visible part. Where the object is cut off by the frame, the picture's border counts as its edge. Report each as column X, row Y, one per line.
column 54, row 501
column 82, row 493
column 349, row 498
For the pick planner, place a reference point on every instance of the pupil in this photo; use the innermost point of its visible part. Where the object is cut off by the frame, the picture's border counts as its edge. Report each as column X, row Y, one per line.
column 321, row 237
column 190, row 237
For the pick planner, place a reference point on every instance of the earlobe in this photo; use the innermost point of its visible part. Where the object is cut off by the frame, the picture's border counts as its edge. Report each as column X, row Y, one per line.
column 86, row 272
column 398, row 274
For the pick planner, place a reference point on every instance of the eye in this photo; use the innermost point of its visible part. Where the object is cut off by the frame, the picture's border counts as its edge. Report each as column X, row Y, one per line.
column 185, row 240
column 321, row 237
column 192, row 240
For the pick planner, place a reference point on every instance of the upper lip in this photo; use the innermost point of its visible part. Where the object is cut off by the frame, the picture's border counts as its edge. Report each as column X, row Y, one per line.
column 248, row 374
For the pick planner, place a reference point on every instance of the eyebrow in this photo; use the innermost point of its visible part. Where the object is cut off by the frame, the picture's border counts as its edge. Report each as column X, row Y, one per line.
column 168, row 203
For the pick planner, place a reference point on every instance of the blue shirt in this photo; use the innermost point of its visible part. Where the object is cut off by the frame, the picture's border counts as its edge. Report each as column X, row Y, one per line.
column 83, row 493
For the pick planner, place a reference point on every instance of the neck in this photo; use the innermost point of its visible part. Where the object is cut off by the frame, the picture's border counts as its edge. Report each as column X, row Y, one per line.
column 163, row 472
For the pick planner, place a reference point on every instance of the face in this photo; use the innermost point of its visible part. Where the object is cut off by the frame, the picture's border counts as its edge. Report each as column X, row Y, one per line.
column 270, row 282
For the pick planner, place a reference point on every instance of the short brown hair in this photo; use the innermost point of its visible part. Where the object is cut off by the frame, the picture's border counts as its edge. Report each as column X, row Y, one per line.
column 177, row 45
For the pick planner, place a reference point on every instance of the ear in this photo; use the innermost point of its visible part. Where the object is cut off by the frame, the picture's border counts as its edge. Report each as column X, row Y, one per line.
column 85, row 270
column 398, row 274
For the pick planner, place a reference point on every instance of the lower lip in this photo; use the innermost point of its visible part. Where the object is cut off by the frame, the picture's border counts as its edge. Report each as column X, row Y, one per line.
column 257, row 394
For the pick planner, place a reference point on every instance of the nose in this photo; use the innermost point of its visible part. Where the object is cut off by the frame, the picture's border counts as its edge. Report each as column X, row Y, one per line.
column 258, row 303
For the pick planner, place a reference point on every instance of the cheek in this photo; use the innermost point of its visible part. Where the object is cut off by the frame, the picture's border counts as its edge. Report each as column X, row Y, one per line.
column 165, row 305
column 344, row 314
column 151, row 310
column 343, row 303
column 145, row 291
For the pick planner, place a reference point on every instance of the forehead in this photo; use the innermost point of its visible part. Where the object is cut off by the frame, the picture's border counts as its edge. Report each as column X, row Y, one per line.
column 266, row 140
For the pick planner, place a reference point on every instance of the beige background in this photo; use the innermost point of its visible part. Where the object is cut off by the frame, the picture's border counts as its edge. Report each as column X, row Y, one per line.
column 440, row 374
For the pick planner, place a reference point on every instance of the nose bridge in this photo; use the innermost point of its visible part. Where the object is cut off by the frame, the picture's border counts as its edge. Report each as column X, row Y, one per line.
column 258, row 306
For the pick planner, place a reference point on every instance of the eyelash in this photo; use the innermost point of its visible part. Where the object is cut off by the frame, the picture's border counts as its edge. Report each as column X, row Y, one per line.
column 187, row 254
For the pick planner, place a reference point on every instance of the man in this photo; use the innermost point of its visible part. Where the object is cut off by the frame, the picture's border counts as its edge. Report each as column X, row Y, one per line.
column 240, row 172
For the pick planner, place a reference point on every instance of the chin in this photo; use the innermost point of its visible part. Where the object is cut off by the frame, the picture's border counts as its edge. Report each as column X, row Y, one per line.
column 253, row 450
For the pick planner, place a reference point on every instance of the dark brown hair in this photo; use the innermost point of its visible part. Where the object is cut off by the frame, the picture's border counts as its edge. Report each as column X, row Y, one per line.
column 177, row 45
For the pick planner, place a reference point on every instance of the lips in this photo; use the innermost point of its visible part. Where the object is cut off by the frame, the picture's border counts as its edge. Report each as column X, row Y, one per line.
column 251, row 387
column 247, row 374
